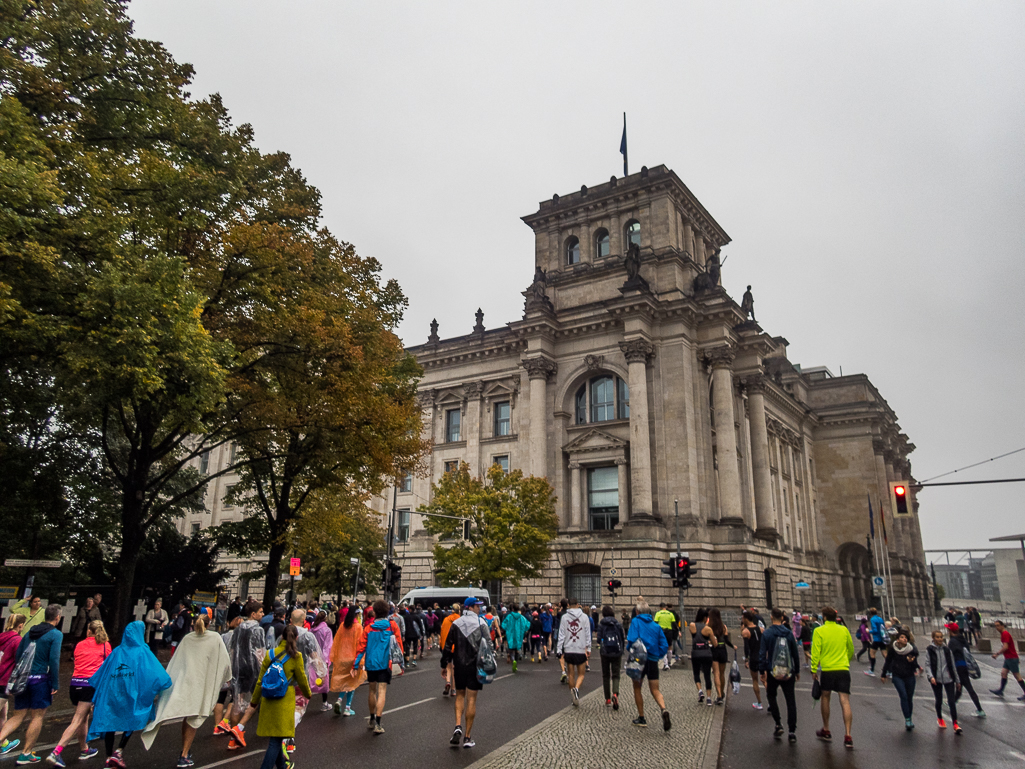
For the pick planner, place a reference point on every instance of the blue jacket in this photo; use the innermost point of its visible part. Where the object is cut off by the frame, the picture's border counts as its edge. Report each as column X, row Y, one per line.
column 546, row 622
column 877, row 627
column 48, row 651
column 378, row 646
column 644, row 628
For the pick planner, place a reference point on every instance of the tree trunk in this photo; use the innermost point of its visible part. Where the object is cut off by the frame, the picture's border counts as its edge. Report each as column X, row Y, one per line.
column 270, row 587
column 132, row 538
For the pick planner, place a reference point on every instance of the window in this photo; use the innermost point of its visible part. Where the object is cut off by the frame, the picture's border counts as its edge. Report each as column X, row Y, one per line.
column 232, row 452
column 452, row 417
column 227, row 494
column 406, row 483
column 502, row 421
column 195, row 527
column 503, row 462
column 633, row 234
column 601, row 243
column 572, row 251
column 204, row 463
column 452, row 466
column 403, row 535
column 585, row 587
column 603, row 497
column 603, row 398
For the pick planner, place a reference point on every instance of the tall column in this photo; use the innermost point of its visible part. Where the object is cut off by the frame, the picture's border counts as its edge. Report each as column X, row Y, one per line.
column 764, row 518
column 638, row 353
column 539, row 369
column 624, row 492
column 471, row 427
column 575, row 509
column 720, row 359
column 688, row 240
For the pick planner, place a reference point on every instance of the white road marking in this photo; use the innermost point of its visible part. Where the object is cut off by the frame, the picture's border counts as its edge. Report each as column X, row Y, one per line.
column 233, row 758
column 410, row 705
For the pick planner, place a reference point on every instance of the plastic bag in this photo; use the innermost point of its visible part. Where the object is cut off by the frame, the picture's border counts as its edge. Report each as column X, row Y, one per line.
column 735, row 674
column 397, row 660
column 18, row 681
column 636, row 660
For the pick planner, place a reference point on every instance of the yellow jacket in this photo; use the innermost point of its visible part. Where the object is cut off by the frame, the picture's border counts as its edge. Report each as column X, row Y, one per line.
column 31, row 620
column 832, row 647
column 665, row 619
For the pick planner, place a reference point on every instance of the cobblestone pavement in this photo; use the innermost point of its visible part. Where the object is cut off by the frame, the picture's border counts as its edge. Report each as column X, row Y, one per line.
column 595, row 737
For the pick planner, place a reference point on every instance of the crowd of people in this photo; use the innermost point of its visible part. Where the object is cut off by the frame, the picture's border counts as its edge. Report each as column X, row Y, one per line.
column 272, row 666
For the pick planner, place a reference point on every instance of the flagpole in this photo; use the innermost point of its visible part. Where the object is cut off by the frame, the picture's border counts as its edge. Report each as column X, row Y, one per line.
column 889, row 572
column 626, row 164
column 877, row 549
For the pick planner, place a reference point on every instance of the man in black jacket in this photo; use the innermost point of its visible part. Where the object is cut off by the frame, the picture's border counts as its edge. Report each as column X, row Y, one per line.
column 461, row 649
column 771, row 679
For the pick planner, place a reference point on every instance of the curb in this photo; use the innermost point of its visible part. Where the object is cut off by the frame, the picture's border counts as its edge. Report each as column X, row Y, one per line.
column 713, row 747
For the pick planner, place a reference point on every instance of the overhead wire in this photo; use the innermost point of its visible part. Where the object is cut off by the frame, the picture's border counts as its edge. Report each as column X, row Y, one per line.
column 968, row 467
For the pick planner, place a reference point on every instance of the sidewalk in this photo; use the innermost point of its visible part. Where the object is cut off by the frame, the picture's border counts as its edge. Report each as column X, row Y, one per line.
column 595, row 737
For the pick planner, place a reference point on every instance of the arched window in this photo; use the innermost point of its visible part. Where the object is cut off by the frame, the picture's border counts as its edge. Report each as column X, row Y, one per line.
column 633, row 234
column 602, row 399
column 572, row 251
column 601, row 243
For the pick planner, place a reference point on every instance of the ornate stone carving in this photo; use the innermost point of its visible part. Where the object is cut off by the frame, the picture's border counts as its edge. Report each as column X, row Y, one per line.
column 594, row 362
column 434, row 338
column 536, row 296
column 473, row 389
column 637, row 350
column 479, row 315
column 754, row 383
column 721, row 356
column 632, row 262
column 747, row 304
column 425, row 399
column 709, row 279
column 540, row 367
column 878, row 445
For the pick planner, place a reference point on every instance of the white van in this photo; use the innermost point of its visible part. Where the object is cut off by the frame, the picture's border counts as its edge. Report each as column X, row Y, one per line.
column 444, row 596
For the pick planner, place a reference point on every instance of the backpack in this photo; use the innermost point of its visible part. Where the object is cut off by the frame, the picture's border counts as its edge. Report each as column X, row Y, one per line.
column 974, row 671
column 782, row 663
column 486, row 665
column 274, row 684
column 636, row 660
column 18, row 681
column 609, row 642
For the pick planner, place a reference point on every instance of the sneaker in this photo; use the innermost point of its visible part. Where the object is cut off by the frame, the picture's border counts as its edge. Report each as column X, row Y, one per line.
column 238, row 732
column 563, row 679
column 468, row 743
column 718, row 700
column 28, row 758
column 701, row 696
column 1021, row 698
column 824, row 734
column 447, row 688
column 326, row 707
column 792, row 737
column 908, row 725
column 378, row 729
column 348, row 712
column 8, row 745
column 997, row 692
column 608, row 703
column 576, row 697
column 980, row 713
column 757, row 706
column 639, row 721
column 337, row 707
column 709, row 701
column 941, row 723
column 848, row 742
column 457, row 735
column 667, row 723
column 371, row 721
column 957, row 728
column 117, row 760
column 870, row 673
column 515, row 665
column 778, row 731
column 290, row 745
column 232, row 745
column 54, row 759
column 184, row 762
column 87, row 754
column 615, row 702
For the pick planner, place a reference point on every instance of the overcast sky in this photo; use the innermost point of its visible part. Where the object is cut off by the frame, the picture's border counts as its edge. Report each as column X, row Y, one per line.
column 868, row 160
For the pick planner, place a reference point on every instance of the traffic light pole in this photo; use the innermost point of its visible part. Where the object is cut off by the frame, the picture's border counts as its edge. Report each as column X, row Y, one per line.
column 676, row 506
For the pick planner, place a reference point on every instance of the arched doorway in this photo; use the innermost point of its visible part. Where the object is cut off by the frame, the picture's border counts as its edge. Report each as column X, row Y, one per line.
column 855, row 576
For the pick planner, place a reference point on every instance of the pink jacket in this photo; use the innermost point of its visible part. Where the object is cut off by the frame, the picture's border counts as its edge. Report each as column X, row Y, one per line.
column 8, row 653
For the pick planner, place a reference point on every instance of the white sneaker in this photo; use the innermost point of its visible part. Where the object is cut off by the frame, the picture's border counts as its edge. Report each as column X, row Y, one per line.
column 468, row 743
column 870, row 673
column 576, row 697
column 757, row 705
column 326, row 707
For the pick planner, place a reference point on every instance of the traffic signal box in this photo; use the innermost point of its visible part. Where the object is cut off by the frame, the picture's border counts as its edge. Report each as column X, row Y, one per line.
column 899, row 503
column 613, row 586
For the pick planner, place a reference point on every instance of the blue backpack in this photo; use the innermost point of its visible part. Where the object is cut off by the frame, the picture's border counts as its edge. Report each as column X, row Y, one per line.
column 274, row 684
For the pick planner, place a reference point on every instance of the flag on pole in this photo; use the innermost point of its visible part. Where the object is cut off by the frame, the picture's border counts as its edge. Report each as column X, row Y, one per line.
column 622, row 149
column 882, row 523
column 871, row 519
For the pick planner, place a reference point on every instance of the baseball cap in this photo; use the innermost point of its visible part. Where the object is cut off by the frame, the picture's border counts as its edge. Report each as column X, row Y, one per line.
column 472, row 601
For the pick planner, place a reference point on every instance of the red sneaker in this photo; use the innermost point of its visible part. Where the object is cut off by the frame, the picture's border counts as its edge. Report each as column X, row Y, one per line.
column 848, row 742
column 239, row 735
column 222, row 728
column 941, row 723
column 957, row 728
column 824, row 734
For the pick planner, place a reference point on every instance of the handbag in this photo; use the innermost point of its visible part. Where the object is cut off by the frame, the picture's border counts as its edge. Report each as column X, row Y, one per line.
column 735, row 674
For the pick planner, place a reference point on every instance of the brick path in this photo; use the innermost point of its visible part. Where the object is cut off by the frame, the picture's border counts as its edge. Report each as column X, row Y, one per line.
column 596, row 737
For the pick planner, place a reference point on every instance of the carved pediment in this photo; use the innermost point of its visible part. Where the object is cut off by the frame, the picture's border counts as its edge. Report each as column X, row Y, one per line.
column 595, row 440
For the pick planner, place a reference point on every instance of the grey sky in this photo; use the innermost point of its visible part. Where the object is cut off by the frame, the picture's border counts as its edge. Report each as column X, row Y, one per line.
column 868, row 161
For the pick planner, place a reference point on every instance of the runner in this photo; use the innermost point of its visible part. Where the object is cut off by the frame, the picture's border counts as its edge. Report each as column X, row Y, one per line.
column 877, row 631
column 903, row 665
column 611, row 645
column 752, row 648
column 959, row 648
column 832, row 649
column 515, row 627
column 322, row 632
column 556, row 629
column 643, row 628
column 863, row 635
column 198, row 669
column 537, row 649
column 277, row 714
column 460, row 648
column 248, row 646
column 666, row 620
column 575, row 646
column 780, row 664
column 720, row 657
column 943, row 677
column 446, row 625
column 345, row 678
column 89, row 655
column 9, row 641
column 702, row 640
column 1010, row 652
column 374, row 652
column 546, row 630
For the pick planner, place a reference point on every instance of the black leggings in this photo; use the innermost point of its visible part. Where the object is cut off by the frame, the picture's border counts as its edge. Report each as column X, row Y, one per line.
column 699, row 665
column 951, row 689
column 966, row 686
column 108, row 742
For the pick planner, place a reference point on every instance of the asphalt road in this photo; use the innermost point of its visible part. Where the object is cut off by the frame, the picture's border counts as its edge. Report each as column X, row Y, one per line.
column 418, row 722
column 878, row 731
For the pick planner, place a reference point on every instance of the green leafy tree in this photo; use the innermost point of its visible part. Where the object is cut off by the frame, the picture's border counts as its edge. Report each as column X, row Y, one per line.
column 512, row 523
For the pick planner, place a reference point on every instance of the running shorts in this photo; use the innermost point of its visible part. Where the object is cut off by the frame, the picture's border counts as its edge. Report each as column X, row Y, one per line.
column 835, row 681
column 1012, row 665
column 379, row 676
column 651, row 670
column 35, row 697
column 466, row 679
column 574, row 659
column 879, row 644
column 81, row 694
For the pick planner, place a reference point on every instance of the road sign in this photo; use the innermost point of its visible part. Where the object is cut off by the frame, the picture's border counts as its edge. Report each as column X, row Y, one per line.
column 802, row 586
column 878, row 582
column 8, row 592
column 294, row 566
column 614, row 572
column 19, row 563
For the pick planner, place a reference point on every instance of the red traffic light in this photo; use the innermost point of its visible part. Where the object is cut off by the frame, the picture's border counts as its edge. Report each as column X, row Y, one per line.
column 900, row 491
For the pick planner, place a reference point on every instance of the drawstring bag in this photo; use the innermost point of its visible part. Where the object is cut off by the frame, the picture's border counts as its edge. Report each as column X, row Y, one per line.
column 974, row 671
column 18, row 682
column 735, row 674
column 782, row 664
column 636, row 659
column 486, row 665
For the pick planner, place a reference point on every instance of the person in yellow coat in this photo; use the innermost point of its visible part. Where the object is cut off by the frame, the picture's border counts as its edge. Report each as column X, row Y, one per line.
column 344, row 679
column 277, row 715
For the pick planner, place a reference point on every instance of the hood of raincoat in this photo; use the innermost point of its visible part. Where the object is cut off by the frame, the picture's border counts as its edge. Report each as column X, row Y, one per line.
column 126, row 685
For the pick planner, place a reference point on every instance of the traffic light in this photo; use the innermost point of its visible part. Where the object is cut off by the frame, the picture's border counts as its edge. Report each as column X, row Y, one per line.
column 899, row 498
column 670, row 569
column 396, row 576
column 684, row 571
column 386, row 577
column 466, row 528
column 614, row 585
column 361, row 584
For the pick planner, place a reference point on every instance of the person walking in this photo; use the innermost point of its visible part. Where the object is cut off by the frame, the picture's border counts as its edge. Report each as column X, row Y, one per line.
column 611, row 645
column 156, row 621
column 321, row 630
column 89, row 656
column 374, row 653
column 446, row 625
column 43, row 681
column 643, row 628
column 720, row 657
column 575, row 646
column 877, row 632
column 865, row 637
column 277, row 714
column 246, row 649
column 545, row 615
column 515, row 627
column 1011, row 662
column 345, row 678
column 80, row 626
column 752, row 648
column 943, row 677
column 903, row 666
column 666, row 620
column 556, row 626
column 959, row 648
column 702, row 640
column 198, row 669
column 9, row 641
column 461, row 650
column 779, row 665
column 832, row 649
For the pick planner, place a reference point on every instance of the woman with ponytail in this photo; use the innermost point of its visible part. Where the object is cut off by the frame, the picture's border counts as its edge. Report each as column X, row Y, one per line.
column 89, row 656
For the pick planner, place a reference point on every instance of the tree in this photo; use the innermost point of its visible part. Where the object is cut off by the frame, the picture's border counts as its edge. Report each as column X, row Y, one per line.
column 512, row 522
column 173, row 566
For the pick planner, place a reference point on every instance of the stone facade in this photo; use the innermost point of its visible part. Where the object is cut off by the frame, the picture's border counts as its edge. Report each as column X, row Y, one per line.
column 636, row 385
